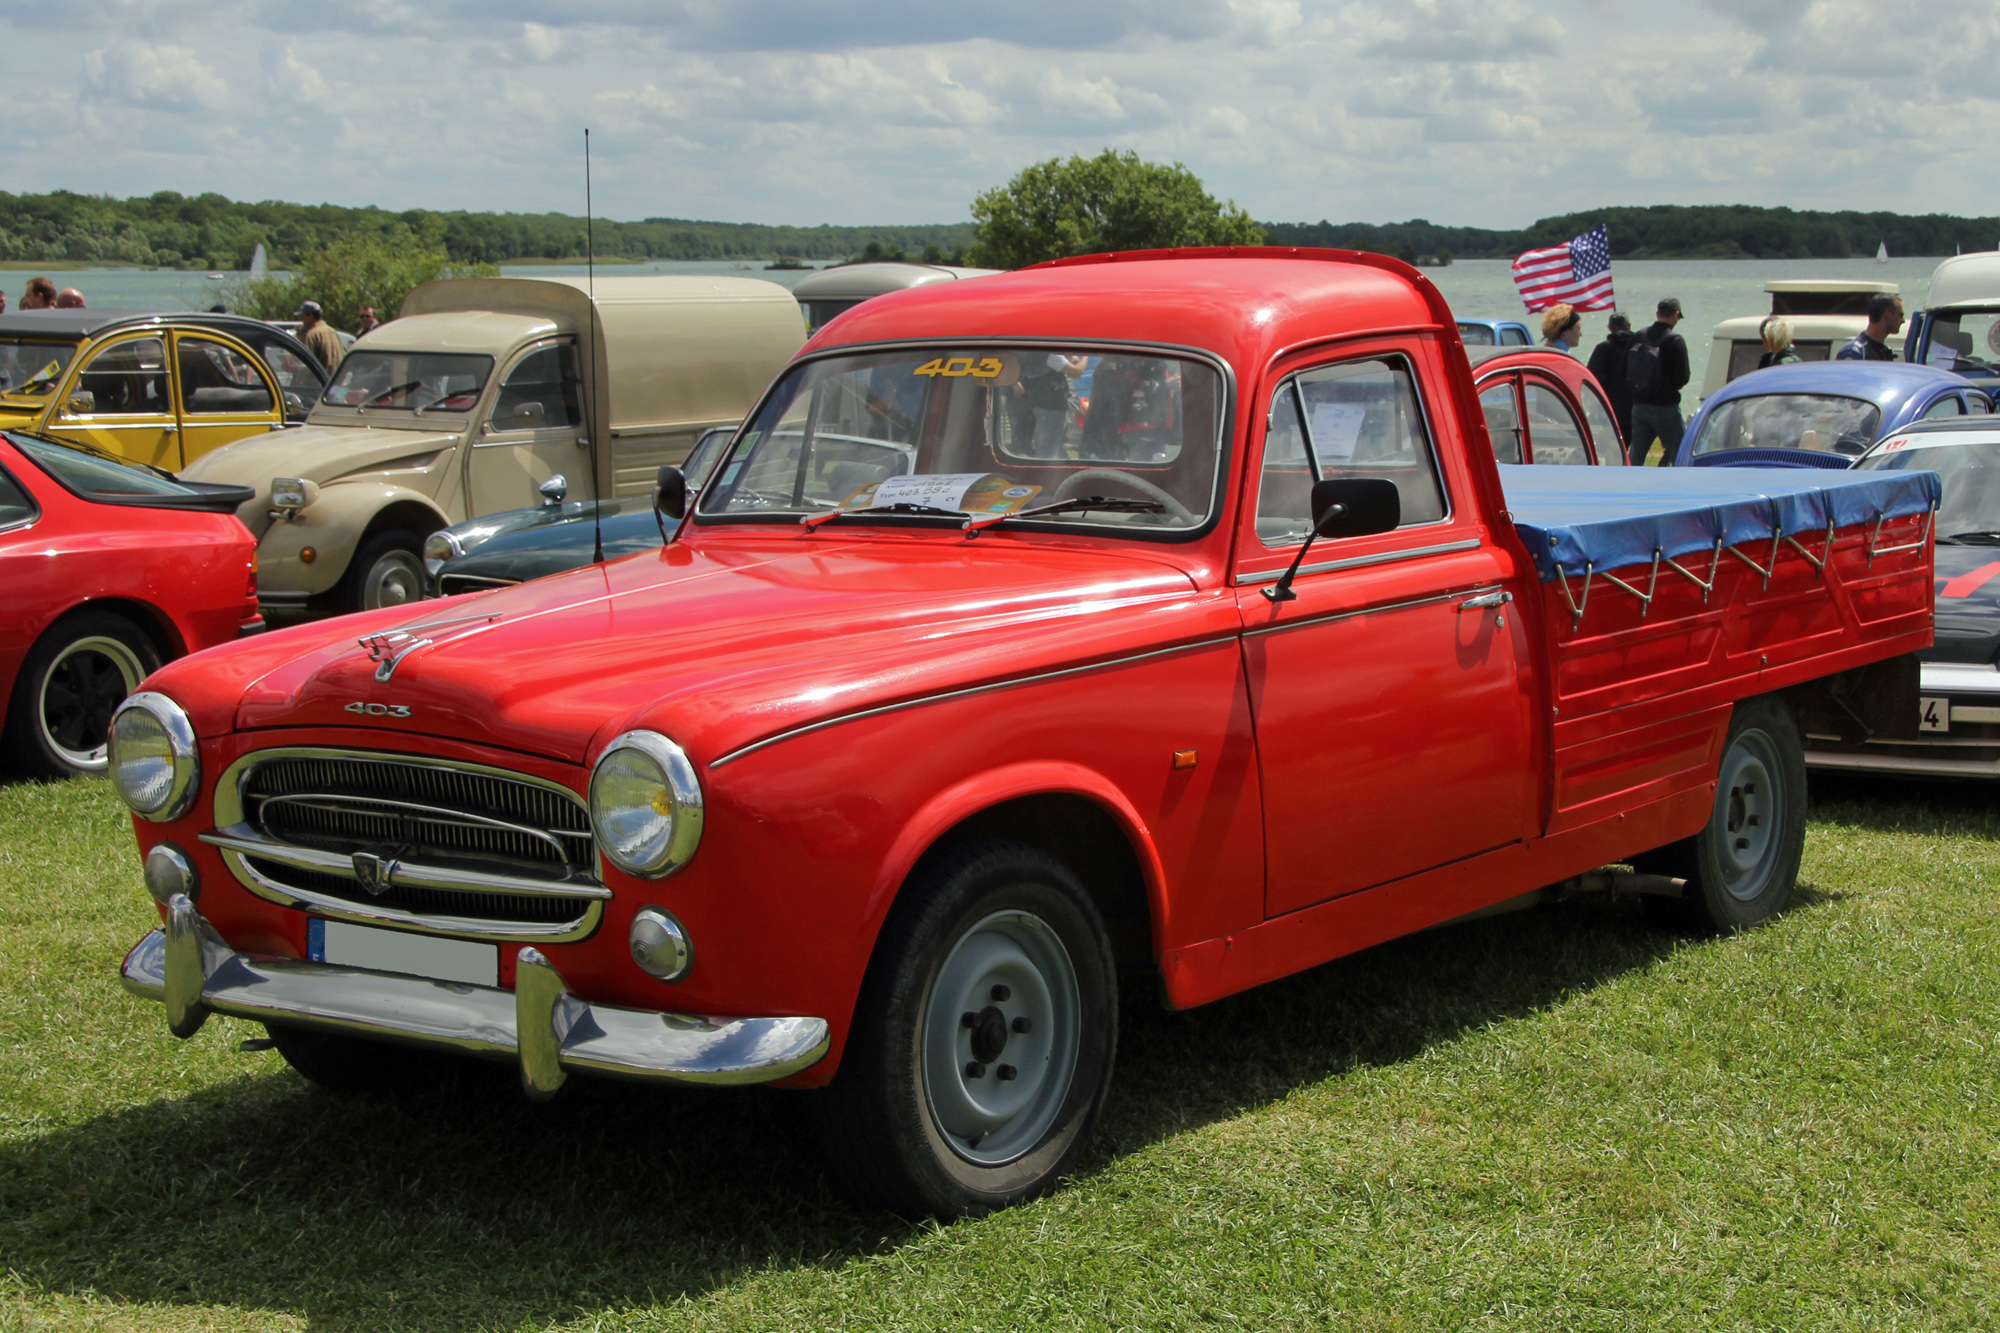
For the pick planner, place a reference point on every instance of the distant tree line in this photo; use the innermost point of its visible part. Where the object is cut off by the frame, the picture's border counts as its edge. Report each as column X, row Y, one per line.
column 208, row 231
column 1669, row 231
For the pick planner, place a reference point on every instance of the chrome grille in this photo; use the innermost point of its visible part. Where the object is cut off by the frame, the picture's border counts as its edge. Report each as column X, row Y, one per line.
column 427, row 844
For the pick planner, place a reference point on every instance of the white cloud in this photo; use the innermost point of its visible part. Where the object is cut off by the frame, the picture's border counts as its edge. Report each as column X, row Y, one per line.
column 164, row 77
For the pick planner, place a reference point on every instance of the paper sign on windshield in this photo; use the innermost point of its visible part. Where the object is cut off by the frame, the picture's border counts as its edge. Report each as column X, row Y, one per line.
column 968, row 492
column 1335, row 429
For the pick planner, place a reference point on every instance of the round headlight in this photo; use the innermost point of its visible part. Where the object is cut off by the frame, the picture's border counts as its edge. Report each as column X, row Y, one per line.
column 645, row 805
column 439, row 547
column 153, row 759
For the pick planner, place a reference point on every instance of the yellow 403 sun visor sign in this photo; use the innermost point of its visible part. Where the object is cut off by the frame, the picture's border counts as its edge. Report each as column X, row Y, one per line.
column 993, row 368
column 967, row 492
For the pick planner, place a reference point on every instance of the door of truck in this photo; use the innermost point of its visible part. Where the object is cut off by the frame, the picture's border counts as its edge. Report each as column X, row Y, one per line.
column 222, row 392
column 119, row 399
column 1389, row 694
column 534, row 432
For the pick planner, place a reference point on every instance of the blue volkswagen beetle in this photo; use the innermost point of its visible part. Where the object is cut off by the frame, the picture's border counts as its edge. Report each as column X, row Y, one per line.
column 1820, row 413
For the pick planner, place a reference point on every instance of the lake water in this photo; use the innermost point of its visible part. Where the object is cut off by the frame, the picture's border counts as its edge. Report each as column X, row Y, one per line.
column 1710, row 290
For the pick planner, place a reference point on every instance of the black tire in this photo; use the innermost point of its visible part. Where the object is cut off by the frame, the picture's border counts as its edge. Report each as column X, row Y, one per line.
column 358, row 1067
column 1744, row 864
column 387, row 570
column 930, row 1117
column 77, row 673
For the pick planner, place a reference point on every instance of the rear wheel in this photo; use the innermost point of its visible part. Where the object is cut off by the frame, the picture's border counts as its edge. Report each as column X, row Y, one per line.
column 983, row 1042
column 78, row 672
column 357, row 1067
column 1744, row 864
column 388, row 570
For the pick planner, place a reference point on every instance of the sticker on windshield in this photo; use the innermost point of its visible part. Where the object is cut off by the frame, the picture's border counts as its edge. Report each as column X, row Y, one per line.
column 958, row 367
column 967, row 492
column 1939, row 441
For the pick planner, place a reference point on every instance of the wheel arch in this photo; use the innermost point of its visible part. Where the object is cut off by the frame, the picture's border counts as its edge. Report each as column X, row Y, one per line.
column 1072, row 813
column 157, row 624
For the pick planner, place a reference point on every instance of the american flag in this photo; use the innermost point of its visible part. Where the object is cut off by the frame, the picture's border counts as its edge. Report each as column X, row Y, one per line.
column 1578, row 273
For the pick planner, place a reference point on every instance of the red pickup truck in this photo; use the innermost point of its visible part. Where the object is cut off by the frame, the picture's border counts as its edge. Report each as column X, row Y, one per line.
column 1160, row 612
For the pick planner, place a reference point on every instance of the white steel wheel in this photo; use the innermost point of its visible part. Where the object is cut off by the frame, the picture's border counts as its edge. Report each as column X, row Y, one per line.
column 386, row 571
column 86, row 682
column 1000, row 1037
column 1749, row 818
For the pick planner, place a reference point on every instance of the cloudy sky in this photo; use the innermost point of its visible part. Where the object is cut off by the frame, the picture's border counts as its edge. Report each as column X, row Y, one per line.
column 1480, row 112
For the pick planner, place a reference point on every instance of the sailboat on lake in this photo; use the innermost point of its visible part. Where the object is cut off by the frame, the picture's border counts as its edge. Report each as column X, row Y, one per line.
column 1882, row 253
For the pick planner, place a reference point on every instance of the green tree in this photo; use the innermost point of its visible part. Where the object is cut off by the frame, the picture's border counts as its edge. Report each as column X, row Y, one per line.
column 357, row 270
column 1113, row 201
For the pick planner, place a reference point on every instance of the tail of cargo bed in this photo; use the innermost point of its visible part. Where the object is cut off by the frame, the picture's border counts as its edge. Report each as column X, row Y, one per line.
column 1669, row 598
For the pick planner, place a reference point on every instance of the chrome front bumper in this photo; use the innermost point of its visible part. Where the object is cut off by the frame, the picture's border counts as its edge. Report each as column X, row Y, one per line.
column 539, row 1024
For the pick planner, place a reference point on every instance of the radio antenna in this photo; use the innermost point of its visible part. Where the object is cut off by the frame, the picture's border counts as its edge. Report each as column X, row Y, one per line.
column 590, row 357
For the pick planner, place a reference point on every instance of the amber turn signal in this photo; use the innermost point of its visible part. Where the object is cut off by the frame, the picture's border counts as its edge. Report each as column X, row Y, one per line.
column 1186, row 758
column 307, row 555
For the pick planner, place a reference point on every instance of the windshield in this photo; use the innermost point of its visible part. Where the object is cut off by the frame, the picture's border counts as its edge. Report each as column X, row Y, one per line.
column 984, row 431
column 1476, row 335
column 1971, row 474
column 32, row 367
column 408, row 381
column 1825, row 423
column 97, row 476
column 1965, row 340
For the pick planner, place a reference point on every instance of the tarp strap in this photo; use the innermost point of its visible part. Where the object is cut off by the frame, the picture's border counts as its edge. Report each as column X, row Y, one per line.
column 1875, row 547
column 1707, row 586
column 1777, row 539
column 1818, row 561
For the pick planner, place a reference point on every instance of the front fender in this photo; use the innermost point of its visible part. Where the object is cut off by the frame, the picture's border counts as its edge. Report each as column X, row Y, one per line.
column 332, row 525
column 983, row 791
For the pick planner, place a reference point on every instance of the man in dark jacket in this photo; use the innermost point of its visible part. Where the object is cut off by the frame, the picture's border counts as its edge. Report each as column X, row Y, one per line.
column 1607, row 362
column 1656, row 368
column 1885, row 321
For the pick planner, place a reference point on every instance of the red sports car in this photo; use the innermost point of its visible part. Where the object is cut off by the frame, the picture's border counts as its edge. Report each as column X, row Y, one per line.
column 107, row 569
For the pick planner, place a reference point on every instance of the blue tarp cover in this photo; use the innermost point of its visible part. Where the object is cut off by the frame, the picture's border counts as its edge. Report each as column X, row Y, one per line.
column 1574, row 518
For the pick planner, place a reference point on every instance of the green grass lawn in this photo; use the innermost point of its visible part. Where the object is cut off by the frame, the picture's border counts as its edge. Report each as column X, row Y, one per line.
column 1562, row 1119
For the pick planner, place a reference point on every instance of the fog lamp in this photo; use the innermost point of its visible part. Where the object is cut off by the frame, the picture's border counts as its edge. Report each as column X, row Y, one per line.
column 153, row 760
column 660, row 944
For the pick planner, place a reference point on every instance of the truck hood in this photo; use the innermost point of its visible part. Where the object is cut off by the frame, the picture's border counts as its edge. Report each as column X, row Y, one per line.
column 317, row 453
column 722, row 645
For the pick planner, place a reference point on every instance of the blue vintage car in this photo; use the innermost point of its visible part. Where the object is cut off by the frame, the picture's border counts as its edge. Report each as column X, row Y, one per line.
column 1495, row 333
column 1821, row 413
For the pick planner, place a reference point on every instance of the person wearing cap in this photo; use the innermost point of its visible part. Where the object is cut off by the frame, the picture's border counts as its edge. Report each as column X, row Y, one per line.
column 1562, row 328
column 1885, row 321
column 318, row 336
column 1656, row 369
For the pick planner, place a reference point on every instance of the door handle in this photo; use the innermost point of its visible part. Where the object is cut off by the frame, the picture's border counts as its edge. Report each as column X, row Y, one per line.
column 1498, row 597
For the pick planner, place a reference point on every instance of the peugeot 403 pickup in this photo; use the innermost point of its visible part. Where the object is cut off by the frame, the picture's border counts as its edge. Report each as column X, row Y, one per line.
column 938, row 710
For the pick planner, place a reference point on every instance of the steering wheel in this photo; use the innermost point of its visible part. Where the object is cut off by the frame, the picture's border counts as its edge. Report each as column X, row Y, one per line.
column 1073, row 485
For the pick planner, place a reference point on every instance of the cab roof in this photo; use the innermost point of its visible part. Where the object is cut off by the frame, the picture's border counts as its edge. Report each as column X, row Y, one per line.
column 848, row 281
column 80, row 324
column 1965, row 280
column 1245, row 305
column 1884, row 383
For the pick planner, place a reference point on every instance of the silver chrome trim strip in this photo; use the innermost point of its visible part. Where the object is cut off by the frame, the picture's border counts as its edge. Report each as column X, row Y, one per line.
column 408, row 874
column 1362, row 561
column 1373, row 608
column 969, row 691
column 1910, row 764
column 194, row 971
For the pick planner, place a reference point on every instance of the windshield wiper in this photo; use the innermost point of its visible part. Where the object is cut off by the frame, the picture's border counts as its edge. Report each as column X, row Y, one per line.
column 394, row 389
column 1985, row 537
column 1096, row 503
column 811, row 521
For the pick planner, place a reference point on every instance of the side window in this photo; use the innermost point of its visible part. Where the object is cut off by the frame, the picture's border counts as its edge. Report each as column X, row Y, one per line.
column 1603, row 429
column 1357, row 419
column 1744, row 356
column 127, row 378
column 1475, row 335
column 296, row 380
column 1554, row 434
column 1514, row 337
column 1977, row 406
column 217, row 379
column 1947, row 406
column 1503, row 422
column 540, row 392
column 16, row 505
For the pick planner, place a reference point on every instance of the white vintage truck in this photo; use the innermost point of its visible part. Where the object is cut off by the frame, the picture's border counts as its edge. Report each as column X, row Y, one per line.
column 480, row 394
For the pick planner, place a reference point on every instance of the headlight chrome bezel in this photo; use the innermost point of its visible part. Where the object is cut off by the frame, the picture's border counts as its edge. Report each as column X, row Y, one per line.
column 677, row 778
column 184, row 753
column 439, row 547
column 299, row 492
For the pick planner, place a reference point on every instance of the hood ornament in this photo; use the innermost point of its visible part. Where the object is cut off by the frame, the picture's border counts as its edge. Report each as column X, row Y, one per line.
column 387, row 649
column 374, row 872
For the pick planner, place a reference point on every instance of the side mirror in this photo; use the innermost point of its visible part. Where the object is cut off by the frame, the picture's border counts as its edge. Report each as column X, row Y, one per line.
column 554, row 489
column 1347, row 507
column 671, row 496
column 83, row 400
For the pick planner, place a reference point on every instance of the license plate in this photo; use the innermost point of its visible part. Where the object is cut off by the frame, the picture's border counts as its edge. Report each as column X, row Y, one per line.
column 1933, row 713
column 347, row 945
